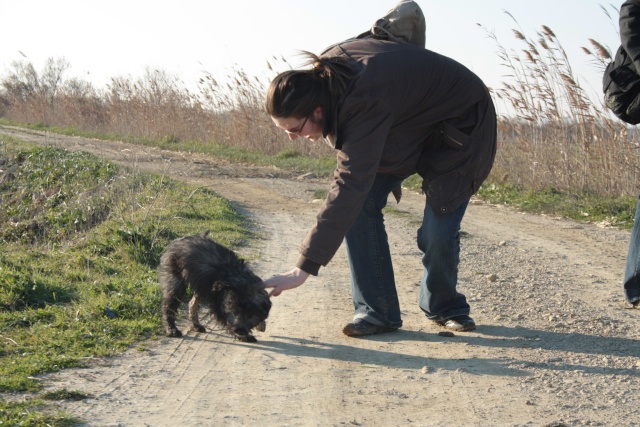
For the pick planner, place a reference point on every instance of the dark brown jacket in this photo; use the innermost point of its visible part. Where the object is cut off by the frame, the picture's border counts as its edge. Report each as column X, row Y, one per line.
column 408, row 110
column 621, row 80
column 630, row 30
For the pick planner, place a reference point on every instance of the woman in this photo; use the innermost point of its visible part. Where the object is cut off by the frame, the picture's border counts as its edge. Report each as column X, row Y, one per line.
column 390, row 109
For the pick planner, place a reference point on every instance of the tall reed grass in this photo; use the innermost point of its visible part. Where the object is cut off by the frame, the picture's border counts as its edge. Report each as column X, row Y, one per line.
column 557, row 136
column 552, row 134
column 156, row 106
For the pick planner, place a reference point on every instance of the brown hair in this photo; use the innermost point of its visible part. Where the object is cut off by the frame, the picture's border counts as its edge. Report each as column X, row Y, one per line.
column 297, row 93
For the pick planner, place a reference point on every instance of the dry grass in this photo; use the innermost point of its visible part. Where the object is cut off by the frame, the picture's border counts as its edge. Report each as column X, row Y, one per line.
column 156, row 106
column 552, row 134
column 556, row 136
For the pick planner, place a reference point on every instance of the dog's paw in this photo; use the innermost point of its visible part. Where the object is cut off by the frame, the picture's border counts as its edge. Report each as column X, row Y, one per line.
column 173, row 333
column 246, row 338
column 198, row 328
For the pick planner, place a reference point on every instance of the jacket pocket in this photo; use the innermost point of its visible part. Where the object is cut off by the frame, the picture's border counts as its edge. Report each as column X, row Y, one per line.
column 454, row 138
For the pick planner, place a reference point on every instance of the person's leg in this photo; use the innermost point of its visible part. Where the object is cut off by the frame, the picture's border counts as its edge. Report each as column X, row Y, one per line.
column 372, row 279
column 632, row 270
column 439, row 239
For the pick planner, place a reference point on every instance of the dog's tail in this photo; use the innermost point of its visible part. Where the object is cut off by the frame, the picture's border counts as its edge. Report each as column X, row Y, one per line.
column 206, row 233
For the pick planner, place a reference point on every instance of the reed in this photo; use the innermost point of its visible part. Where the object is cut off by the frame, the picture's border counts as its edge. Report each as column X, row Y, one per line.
column 552, row 134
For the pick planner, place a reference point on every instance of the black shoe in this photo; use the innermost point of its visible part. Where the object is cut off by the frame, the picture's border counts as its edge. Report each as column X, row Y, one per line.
column 360, row 327
column 458, row 324
column 633, row 296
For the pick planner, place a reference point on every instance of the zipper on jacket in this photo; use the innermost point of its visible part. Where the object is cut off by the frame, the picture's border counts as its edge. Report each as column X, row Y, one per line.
column 452, row 139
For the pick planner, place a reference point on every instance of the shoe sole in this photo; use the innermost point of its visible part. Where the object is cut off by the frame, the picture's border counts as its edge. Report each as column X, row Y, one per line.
column 461, row 328
column 360, row 333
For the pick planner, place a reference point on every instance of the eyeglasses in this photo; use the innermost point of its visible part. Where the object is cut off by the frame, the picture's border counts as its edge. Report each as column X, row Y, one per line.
column 299, row 130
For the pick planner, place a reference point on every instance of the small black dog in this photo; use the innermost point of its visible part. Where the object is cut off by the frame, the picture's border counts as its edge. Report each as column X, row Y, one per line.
column 218, row 279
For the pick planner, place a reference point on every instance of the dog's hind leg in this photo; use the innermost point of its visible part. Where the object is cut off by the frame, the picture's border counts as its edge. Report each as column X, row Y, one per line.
column 194, row 306
column 169, row 311
column 173, row 292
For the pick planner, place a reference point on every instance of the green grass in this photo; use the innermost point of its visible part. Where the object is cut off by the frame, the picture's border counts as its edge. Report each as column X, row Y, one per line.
column 585, row 207
column 81, row 240
column 618, row 212
column 33, row 413
column 287, row 159
column 399, row 213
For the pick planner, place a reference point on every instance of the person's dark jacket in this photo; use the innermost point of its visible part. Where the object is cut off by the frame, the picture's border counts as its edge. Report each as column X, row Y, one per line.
column 630, row 30
column 408, row 110
column 621, row 78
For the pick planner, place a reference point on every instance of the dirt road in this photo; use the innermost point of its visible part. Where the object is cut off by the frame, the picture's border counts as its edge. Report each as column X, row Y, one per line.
column 555, row 345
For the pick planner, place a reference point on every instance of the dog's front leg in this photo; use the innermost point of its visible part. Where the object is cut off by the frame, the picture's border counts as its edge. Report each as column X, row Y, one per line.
column 194, row 306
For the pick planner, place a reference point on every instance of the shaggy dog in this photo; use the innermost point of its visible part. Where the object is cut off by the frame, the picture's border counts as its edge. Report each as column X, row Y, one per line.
column 218, row 279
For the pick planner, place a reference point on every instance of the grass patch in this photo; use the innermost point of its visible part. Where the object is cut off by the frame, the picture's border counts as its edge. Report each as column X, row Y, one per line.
column 287, row 159
column 618, row 212
column 65, row 394
column 414, row 182
column 33, row 413
column 81, row 241
column 415, row 221
column 320, row 194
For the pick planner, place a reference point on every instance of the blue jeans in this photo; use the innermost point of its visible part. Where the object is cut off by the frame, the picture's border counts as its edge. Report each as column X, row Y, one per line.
column 632, row 270
column 439, row 240
column 373, row 285
column 372, row 279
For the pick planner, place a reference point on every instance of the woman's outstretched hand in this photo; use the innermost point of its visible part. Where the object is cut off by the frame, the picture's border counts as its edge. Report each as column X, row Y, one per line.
column 285, row 281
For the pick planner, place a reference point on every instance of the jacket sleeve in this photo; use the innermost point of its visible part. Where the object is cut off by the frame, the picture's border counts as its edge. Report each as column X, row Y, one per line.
column 362, row 135
column 630, row 30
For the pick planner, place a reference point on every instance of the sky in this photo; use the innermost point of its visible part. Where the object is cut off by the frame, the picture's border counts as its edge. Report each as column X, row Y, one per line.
column 106, row 39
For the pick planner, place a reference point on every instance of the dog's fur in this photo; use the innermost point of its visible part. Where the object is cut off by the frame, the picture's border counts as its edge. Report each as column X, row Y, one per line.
column 218, row 279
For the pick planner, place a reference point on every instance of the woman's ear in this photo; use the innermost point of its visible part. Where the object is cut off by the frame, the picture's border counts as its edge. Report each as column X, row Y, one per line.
column 317, row 114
